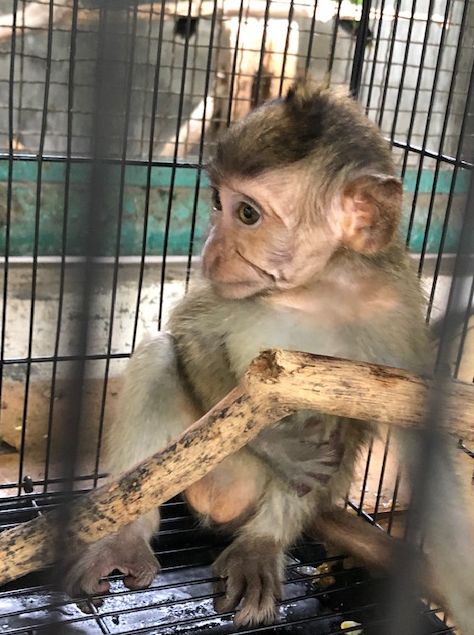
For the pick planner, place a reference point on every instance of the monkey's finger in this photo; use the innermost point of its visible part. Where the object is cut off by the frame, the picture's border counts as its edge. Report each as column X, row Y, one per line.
column 274, row 584
column 258, row 605
column 79, row 583
column 141, row 577
column 93, row 585
column 234, row 587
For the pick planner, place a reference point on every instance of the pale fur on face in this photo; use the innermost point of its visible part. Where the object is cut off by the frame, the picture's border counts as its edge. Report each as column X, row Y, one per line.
column 285, row 249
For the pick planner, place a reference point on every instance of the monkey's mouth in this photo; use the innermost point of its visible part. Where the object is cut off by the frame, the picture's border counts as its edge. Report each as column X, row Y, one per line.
column 255, row 281
column 262, row 273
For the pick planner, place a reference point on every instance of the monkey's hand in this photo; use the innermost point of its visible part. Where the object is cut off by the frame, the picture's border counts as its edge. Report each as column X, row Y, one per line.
column 125, row 551
column 251, row 571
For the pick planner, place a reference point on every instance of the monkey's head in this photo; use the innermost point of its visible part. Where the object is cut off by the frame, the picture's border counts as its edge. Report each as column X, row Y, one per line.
column 294, row 182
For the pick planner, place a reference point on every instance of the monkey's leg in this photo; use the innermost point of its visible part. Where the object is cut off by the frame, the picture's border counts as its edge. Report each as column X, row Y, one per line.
column 370, row 547
column 270, row 517
column 448, row 530
column 154, row 407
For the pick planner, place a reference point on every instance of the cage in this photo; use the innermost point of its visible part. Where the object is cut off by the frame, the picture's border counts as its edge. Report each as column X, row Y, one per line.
column 108, row 112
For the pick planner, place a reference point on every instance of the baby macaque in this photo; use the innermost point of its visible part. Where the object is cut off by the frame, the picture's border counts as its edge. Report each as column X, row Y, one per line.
column 302, row 254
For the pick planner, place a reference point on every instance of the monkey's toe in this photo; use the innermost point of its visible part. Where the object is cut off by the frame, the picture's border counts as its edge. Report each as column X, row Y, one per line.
column 140, row 574
column 251, row 582
column 86, row 572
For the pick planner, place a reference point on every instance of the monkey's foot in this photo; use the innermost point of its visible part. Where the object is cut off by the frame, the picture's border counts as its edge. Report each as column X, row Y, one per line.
column 251, row 572
column 126, row 551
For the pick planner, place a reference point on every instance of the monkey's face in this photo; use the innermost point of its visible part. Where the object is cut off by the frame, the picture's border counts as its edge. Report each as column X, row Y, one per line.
column 259, row 240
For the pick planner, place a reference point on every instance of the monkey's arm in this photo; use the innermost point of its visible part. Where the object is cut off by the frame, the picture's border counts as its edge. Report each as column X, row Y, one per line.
column 154, row 408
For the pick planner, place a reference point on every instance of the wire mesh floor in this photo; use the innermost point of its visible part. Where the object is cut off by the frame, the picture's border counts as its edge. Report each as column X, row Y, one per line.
column 180, row 599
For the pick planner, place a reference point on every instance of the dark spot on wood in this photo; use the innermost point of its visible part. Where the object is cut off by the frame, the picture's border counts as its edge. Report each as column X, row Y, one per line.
column 387, row 374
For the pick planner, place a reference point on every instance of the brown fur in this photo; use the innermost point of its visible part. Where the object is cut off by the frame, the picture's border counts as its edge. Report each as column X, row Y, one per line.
column 318, row 267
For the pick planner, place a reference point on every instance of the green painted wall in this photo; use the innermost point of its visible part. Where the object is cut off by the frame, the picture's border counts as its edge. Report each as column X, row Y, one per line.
column 52, row 198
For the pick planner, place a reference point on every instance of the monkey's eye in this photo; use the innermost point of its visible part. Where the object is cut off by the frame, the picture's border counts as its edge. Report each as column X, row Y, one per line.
column 216, row 200
column 247, row 214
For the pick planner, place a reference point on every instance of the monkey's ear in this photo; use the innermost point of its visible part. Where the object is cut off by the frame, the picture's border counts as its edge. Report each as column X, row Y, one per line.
column 371, row 209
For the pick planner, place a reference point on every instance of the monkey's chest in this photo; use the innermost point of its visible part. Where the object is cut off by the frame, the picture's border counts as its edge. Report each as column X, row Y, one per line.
column 305, row 450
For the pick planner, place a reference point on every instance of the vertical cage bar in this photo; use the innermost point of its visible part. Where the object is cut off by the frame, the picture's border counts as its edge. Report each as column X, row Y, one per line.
column 444, row 231
column 375, row 57
column 62, row 275
column 332, row 51
column 234, row 63
column 151, row 145
column 9, row 198
column 452, row 87
column 359, row 53
column 179, row 119
column 390, row 58
column 201, row 143
column 266, row 16
column 428, row 120
column 312, row 30
column 39, row 186
column 287, row 44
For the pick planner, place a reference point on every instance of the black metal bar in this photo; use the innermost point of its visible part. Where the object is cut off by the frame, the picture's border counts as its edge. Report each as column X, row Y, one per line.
column 70, row 106
column 44, row 123
column 190, row 165
column 359, row 52
column 427, row 125
column 21, row 77
column 9, row 197
column 375, row 56
column 53, row 158
column 381, row 477
column 312, row 30
column 146, row 213
column 415, row 104
column 197, row 186
column 366, row 476
column 333, row 43
column 457, row 162
column 447, row 217
column 287, row 44
column 179, row 118
column 234, row 63
column 258, row 79
column 143, row 144
column 443, row 135
column 394, row 503
column 404, row 69
column 64, row 358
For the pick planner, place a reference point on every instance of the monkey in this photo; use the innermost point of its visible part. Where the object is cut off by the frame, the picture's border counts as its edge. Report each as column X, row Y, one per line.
column 302, row 253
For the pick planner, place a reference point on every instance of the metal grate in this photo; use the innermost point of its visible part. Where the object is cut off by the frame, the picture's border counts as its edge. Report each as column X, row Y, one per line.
column 180, row 599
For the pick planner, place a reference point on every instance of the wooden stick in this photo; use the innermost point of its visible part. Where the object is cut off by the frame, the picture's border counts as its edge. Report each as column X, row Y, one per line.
column 358, row 390
column 276, row 384
column 222, row 431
